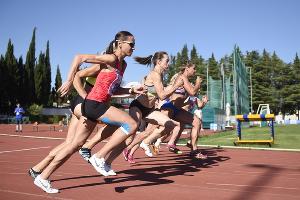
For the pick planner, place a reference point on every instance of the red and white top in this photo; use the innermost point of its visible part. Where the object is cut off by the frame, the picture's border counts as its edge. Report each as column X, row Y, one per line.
column 106, row 84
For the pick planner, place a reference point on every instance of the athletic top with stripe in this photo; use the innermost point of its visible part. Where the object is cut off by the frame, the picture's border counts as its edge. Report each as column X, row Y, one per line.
column 107, row 83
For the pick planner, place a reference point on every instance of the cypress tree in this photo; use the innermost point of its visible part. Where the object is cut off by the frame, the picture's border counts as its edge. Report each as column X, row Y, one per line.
column 11, row 86
column 4, row 100
column 47, row 78
column 58, row 82
column 20, row 81
column 39, row 72
column 29, row 71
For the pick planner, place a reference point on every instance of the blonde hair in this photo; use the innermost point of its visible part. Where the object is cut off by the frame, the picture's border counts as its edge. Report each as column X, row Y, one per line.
column 174, row 77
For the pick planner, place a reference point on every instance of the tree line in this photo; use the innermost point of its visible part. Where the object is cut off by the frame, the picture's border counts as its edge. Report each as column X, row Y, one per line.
column 273, row 81
column 26, row 83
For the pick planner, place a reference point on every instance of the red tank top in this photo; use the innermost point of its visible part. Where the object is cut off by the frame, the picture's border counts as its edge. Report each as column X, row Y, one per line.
column 106, row 84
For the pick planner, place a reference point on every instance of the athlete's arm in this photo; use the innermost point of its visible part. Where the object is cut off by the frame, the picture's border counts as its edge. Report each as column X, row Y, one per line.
column 90, row 71
column 108, row 59
column 191, row 90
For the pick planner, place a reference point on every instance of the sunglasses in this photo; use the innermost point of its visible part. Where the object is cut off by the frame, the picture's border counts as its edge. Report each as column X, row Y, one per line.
column 131, row 44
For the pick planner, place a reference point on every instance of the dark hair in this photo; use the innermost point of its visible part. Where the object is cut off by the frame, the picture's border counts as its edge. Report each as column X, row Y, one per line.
column 122, row 35
column 151, row 59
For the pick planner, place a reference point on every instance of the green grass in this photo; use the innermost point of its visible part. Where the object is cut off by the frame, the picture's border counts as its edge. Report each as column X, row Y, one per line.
column 286, row 137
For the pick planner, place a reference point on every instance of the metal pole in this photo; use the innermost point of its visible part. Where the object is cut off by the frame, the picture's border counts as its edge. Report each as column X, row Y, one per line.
column 251, row 90
column 223, row 86
column 234, row 82
column 207, row 79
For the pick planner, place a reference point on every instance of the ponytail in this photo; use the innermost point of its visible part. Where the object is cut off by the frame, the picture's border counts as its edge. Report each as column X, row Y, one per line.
column 144, row 60
column 151, row 59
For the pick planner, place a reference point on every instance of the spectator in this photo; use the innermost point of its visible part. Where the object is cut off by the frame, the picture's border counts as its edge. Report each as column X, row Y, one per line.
column 19, row 117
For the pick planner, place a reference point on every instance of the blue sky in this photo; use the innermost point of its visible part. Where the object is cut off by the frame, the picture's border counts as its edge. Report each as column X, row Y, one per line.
column 76, row 26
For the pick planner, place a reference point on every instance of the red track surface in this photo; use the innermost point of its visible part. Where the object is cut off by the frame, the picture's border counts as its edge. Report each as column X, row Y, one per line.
column 227, row 174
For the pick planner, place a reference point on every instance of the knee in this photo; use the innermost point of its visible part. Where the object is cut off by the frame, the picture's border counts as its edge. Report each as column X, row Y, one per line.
column 133, row 126
column 196, row 122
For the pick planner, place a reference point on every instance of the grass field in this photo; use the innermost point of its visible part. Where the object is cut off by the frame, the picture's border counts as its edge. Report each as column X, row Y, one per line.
column 286, row 137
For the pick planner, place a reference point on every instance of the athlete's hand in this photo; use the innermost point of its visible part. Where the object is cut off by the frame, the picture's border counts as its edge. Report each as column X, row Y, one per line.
column 199, row 80
column 178, row 82
column 139, row 90
column 64, row 88
column 205, row 99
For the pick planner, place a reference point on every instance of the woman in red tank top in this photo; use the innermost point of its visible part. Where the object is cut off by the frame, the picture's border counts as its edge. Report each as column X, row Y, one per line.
column 96, row 106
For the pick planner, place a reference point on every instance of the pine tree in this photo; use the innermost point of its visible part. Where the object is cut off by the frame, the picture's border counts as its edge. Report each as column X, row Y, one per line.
column 277, row 83
column 213, row 68
column 200, row 68
column 172, row 69
column 261, row 81
column 184, row 55
column 251, row 60
column 29, row 70
column 293, row 97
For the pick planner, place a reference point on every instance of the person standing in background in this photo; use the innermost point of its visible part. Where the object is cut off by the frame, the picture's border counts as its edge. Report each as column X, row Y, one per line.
column 19, row 111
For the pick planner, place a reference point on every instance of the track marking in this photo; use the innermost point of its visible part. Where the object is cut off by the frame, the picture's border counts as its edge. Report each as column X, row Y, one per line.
column 29, row 136
column 237, row 185
column 24, row 149
column 35, row 195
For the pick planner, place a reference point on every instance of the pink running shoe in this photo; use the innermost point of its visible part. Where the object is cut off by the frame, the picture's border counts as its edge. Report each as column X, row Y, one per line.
column 131, row 159
column 125, row 154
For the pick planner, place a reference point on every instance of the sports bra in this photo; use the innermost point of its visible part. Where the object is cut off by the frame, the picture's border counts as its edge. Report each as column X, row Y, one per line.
column 181, row 91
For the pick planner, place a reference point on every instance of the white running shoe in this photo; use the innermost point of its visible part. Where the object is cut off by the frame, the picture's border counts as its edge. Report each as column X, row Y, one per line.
column 147, row 149
column 109, row 170
column 99, row 165
column 45, row 185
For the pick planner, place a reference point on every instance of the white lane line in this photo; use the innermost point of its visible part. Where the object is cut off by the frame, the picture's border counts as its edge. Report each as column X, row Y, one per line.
column 35, row 195
column 237, row 185
column 24, row 149
column 29, row 136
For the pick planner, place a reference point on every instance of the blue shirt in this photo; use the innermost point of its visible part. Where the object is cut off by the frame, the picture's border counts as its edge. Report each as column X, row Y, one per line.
column 19, row 111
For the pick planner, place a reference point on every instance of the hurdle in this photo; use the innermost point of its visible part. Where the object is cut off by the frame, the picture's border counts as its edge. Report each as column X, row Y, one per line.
column 254, row 117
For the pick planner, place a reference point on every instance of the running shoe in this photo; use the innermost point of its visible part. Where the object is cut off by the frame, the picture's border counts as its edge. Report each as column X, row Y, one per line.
column 99, row 165
column 85, row 153
column 147, row 149
column 172, row 148
column 125, row 154
column 131, row 159
column 45, row 185
column 33, row 173
column 109, row 170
